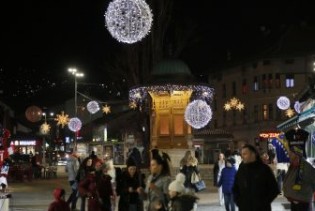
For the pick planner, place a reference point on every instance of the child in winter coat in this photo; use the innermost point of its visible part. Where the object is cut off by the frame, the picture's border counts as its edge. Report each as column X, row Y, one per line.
column 226, row 180
column 59, row 203
column 178, row 200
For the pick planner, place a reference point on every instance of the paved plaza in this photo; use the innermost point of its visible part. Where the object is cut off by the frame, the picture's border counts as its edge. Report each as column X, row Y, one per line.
column 37, row 194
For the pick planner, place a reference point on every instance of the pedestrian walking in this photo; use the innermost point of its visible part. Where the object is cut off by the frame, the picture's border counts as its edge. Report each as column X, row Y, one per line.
column 59, row 203
column 179, row 199
column 72, row 168
column 156, row 190
column 218, row 166
column 255, row 186
column 226, row 180
column 189, row 169
column 105, row 190
column 131, row 182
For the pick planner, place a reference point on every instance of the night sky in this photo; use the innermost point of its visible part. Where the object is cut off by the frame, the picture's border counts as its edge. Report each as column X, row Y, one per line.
column 40, row 39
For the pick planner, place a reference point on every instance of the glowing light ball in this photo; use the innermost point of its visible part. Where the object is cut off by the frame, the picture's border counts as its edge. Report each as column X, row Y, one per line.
column 75, row 124
column 128, row 21
column 297, row 107
column 198, row 113
column 93, row 107
column 283, row 103
column 33, row 114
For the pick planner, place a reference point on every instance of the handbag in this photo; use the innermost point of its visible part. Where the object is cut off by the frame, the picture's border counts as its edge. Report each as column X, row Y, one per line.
column 194, row 178
column 199, row 186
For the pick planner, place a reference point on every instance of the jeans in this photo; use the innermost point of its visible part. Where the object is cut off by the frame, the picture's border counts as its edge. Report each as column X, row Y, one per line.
column 73, row 197
column 229, row 202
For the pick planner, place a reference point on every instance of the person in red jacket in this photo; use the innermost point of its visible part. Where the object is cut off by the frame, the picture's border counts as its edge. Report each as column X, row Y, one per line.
column 59, row 203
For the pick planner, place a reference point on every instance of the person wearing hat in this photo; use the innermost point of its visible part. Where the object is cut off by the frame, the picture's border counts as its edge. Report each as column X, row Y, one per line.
column 131, row 182
column 179, row 201
column 59, row 203
column 226, row 180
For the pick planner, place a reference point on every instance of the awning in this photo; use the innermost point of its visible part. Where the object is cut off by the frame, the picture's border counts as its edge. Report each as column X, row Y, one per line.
column 302, row 119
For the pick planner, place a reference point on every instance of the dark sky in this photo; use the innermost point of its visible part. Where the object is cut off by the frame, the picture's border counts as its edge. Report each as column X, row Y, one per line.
column 40, row 39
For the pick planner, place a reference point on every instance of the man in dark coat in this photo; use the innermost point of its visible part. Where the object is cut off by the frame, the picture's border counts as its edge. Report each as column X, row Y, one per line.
column 255, row 185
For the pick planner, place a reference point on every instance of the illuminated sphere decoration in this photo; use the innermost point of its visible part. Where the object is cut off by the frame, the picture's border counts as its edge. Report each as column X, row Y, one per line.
column 33, row 114
column 297, row 107
column 93, row 107
column 198, row 113
column 75, row 124
column 128, row 21
column 283, row 103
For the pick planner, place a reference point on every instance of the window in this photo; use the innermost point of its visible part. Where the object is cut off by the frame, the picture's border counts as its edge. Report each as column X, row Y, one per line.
column 270, row 81
column 223, row 91
column 265, row 112
column 264, row 82
column 178, row 125
column 164, row 125
column 215, row 106
column 234, row 88
column 270, row 111
column 244, row 87
column 277, row 81
column 256, row 113
column 224, row 118
column 289, row 81
column 256, row 84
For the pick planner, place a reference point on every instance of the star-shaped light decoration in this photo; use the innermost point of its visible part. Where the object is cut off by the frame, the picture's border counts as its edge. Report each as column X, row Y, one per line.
column 289, row 112
column 62, row 119
column 227, row 107
column 240, row 106
column 133, row 105
column 45, row 128
column 234, row 102
column 106, row 109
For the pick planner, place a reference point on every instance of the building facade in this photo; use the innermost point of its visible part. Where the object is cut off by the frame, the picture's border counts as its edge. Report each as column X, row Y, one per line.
column 257, row 84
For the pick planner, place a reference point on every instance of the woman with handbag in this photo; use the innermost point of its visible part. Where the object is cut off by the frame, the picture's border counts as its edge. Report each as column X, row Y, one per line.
column 191, row 172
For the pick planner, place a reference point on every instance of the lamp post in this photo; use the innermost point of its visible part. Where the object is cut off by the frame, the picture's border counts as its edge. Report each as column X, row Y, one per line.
column 45, row 129
column 76, row 75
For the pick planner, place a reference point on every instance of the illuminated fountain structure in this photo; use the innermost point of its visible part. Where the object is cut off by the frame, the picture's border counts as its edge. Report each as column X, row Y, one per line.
column 171, row 89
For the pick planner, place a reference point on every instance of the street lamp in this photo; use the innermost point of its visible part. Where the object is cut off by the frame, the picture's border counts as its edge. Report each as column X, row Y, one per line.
column 45, row 129
column 76, row 75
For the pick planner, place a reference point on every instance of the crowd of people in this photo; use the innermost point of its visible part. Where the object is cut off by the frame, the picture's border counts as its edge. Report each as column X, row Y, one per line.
column 244, row 179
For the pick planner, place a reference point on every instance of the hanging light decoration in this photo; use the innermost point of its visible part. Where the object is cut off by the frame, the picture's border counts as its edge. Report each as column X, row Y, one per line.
column 75, row 124
column 128, row 21
column 297, row 107
column 62, row 119
column 106, row 109
column 283, row 103
column 289, row 112
column 45, row 128
column 198, row 113
column 234, row 103
column 93, row 107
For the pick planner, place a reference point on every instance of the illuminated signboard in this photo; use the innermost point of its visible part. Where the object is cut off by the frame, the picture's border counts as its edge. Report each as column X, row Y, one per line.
column 269, row 135
column 25, row 142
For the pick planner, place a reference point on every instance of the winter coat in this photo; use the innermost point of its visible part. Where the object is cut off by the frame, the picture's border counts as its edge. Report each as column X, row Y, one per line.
column 88, row 188
column 188, row 170
column 72, row 168
column 59, row 205
column 105, row 191
column 255, row 187
column 307, row 186
column 217, row 171
column 127, row 198
column 182, row 203
column 158, row 194
column 227, row 179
